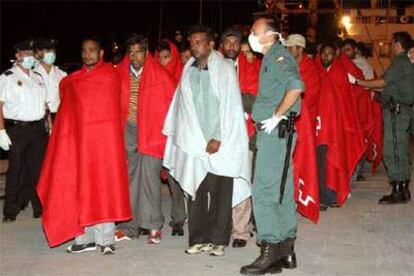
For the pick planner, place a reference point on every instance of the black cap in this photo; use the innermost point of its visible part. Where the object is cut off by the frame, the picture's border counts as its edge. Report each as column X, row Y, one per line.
column 231, row 32
column 46, row 43
column 28, row 44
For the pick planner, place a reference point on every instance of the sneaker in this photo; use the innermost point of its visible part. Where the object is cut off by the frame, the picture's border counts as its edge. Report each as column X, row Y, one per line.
column 218, row 250
column 207, row 247
column 120, row 236
column 195, row 249
column 108, row 249
column 154, row 237
column 79, row 248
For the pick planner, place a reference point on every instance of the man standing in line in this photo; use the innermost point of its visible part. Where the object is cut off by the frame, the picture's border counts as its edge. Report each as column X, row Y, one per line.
column 248, row 74
column 207, row 146
column 84, row 182
column 147, row 90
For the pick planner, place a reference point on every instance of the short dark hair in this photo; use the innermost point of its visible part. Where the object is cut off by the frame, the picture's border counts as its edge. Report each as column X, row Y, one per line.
column 350, row 41
column 94, row 38
column 134, row 38
column 202, row 29
column 327, row 44
column 403, row 38
column 271, row 23
column 164, row 46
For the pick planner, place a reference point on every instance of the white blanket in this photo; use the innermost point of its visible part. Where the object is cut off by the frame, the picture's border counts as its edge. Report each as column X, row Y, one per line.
column 185, row 154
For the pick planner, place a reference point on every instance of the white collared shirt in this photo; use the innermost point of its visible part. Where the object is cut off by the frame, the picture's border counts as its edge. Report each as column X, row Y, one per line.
column 51, row 81
column 24, row 96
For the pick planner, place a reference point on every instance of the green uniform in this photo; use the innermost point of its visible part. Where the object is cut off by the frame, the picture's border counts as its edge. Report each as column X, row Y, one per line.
column 399, row 79
column 275, row 222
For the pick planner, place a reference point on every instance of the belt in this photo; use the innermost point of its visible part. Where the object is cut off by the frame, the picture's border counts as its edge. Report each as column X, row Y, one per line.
column 10, row 123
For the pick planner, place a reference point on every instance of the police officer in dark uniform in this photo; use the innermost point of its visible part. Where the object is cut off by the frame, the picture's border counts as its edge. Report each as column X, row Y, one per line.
column 22, row 130
column 397, row 98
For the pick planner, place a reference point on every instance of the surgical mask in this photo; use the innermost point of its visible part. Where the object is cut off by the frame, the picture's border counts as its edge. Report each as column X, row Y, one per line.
column 49, row 58
column 28, row 62
column 254, row 41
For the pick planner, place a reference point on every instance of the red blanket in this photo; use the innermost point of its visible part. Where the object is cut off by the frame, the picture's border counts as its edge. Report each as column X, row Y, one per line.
column 304, row 157
column 338, row 128
column 84, row 177
column 362, row 96
column 175, row 65
column 156, row 90
column 249, row 84
column 305, row 171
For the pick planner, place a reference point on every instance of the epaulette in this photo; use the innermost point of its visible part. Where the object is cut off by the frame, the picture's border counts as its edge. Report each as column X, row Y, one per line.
column 8, row 72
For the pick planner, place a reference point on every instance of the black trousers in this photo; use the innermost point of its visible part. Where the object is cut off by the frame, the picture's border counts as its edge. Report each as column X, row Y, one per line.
column 326, row 195
column 25, row 160
column 209, row 218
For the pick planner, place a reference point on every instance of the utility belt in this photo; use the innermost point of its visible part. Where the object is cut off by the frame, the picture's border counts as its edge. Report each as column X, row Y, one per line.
column 22, row 124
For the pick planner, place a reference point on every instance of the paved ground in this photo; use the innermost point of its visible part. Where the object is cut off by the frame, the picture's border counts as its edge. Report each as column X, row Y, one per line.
column 362, row 238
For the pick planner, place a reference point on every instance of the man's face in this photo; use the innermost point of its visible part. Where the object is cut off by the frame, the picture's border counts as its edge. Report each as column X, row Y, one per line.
column 137, row 54
column 21, row 54
column 411, row 55
column 231, row 47
column 164, row 57
column 327, row 56
column 349, row 51
column 200, row 46
column 185, row 56
column 245, row 49
column 294, row 51
column 91, row 53
column 178, row 37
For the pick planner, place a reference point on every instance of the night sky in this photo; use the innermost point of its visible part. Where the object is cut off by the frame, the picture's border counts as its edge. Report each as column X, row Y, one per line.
column 69, row 21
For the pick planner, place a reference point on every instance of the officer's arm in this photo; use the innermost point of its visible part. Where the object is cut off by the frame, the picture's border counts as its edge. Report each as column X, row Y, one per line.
column 288, row 101
column 372, row 84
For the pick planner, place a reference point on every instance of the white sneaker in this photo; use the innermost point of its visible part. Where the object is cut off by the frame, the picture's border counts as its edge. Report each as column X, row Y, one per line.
column 218, row 250
column 207, row 247
column 195, row 249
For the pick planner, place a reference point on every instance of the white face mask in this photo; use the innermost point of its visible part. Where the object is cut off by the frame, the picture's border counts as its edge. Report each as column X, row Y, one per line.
column 254, row 41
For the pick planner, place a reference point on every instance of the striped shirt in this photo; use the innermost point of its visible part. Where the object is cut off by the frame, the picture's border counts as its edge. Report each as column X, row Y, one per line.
column 133, row 98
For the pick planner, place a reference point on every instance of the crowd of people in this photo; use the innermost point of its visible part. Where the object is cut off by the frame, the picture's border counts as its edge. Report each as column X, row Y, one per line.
column 246, row 131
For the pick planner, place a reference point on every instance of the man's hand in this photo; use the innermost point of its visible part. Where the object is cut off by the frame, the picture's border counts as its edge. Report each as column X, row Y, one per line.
column 352, row 79
column 213, row 146
column 4, row 140
column 269, row 124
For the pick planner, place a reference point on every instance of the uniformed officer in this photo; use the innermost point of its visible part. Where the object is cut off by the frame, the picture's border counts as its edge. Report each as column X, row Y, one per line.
column 280, row 88
column 22, row 130
column 50, row 73
column 397, row 99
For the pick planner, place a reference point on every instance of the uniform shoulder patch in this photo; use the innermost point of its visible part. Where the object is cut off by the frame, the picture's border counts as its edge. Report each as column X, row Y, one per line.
column 8, row 72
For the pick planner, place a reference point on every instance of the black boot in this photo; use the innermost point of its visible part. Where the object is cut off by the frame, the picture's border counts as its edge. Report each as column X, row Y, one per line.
column 267, row 262
column 406, row 190
column 289, row 260
column 397, row 195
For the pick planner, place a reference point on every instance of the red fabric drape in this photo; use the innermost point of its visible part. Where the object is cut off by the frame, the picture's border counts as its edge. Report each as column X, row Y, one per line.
column 175, row 66
column 84, row 177
column 156, row 90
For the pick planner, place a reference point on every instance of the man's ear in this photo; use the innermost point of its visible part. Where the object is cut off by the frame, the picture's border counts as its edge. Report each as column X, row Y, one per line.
column 17, row 56
column 101, row 53
column 212, row 44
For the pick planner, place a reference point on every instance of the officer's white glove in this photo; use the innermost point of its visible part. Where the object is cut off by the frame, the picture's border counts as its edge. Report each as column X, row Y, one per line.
column 4, row 140
column 269, row 124
column 352, row 79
